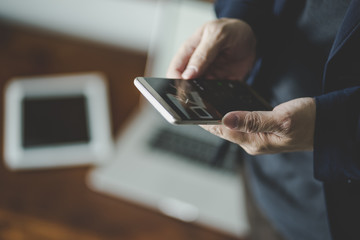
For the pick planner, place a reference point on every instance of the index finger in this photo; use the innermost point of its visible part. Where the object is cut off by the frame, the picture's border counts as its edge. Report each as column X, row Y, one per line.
column 181, row 59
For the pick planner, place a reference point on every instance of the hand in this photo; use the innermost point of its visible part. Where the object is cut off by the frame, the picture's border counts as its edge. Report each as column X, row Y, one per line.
column 223, row 49
column 289, row 127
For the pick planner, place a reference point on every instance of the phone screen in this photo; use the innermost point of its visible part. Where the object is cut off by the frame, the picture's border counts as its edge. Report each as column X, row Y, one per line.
column 201, row 99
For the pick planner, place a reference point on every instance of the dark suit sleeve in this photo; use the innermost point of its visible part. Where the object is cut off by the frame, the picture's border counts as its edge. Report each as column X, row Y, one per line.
column 257, row 13
column 337, row 136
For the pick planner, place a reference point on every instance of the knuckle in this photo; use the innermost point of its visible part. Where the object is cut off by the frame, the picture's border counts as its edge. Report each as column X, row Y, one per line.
column 219, row 132
column 216, row 130
column 256, row 150
column 252, row 150
column 216, row 29
column 252, row 122
column 215, row 25
column 188, row 46
column 287, row 124
column 259, row 145
column 202, row 57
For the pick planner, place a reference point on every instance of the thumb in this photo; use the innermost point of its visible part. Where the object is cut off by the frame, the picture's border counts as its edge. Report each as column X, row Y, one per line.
column 203, row 56
column 253, row 122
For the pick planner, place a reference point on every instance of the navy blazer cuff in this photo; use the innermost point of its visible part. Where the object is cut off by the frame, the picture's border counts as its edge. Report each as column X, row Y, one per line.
column 337, row 136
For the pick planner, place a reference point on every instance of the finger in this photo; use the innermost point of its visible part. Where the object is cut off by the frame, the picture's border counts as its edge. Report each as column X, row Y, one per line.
column 204, row 54
column 231, row 135
column 228, row 134
column 181, row 58
column 252, row 143
column 255, row 122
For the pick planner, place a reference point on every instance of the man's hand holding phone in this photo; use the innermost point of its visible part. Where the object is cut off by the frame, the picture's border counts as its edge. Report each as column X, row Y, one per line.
column 226, row 49
column 288, row 127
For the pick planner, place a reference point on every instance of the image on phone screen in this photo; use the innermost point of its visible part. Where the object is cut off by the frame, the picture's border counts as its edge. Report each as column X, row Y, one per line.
column 198, row 100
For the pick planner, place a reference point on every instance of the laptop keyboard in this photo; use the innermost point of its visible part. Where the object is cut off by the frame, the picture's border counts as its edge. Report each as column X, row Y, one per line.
column 194, row 150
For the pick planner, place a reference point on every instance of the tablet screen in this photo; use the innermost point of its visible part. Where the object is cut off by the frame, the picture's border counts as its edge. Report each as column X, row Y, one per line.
column 54, row 121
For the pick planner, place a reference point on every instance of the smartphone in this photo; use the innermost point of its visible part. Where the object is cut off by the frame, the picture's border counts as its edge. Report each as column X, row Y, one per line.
column 199, row 101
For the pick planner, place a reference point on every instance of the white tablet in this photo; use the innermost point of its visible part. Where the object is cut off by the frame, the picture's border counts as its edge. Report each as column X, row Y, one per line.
column 56, row 121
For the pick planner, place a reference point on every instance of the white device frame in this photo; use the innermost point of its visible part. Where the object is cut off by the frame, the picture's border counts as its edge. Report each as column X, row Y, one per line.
column 90, row 85
column 164, row 108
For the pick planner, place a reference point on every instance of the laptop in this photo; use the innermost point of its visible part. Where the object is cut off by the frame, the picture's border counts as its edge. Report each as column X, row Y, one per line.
column 181, row 171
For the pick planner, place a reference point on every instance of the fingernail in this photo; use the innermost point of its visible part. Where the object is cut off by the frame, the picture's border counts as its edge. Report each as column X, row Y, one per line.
column 189, row 72
column 231, row 121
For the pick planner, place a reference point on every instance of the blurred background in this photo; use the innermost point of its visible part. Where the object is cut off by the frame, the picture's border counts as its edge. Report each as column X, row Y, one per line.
column 121, row 39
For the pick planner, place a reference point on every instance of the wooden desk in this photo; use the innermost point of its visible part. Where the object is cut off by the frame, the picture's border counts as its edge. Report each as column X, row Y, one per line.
column 56, row 204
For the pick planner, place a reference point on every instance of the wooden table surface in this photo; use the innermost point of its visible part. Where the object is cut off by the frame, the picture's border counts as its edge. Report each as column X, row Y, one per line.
column 57, row 204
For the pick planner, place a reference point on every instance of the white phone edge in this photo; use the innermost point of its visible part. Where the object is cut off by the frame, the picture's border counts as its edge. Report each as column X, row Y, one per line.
column 163, row 108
